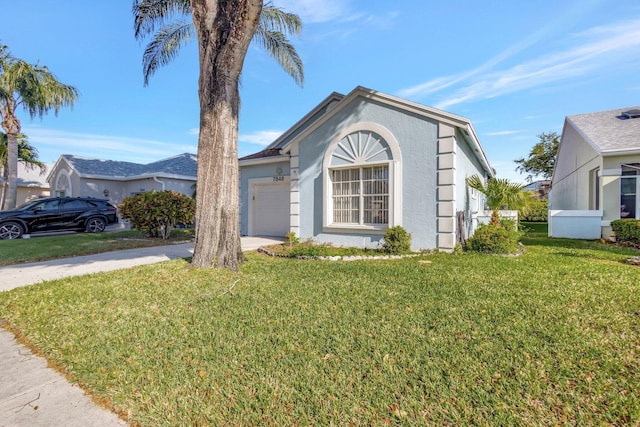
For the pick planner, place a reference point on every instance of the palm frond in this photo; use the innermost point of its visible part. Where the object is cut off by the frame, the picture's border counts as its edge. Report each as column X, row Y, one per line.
column 27, row 153
column 36, row 88
column 274, row 27
column 149, row 14
column 165, row 46
column 282, row 51
column 499, row 192
column 276, row 19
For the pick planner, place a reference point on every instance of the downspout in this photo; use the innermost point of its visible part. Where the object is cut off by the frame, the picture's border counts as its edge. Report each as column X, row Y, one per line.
column 155, row 178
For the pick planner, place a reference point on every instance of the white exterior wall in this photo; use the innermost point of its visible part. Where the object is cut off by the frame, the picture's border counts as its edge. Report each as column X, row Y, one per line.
column 575, row 224
column 571, row 177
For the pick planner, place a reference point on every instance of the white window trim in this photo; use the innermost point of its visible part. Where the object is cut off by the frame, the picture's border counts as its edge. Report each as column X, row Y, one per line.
column 395, row 180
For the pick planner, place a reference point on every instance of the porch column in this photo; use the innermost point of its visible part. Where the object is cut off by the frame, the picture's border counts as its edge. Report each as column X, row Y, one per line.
column 446, row 188
column 294, row 199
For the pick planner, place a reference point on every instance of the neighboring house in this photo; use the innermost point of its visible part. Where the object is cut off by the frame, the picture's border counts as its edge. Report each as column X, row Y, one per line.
column 115, row 180
column 358, row 164
column 596, row 176
column 31, row 183
column 539, row 188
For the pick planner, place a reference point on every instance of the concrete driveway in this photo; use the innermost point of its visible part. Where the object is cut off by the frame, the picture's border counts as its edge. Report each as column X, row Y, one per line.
column 14, row 276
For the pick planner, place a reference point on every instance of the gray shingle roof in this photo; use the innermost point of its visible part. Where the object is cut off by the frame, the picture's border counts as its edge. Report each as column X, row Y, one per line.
column 181, row 165
column 28, row 177
column 609, row 130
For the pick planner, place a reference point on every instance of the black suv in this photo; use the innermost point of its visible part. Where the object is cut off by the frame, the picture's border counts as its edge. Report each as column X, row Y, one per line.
column 57, row 213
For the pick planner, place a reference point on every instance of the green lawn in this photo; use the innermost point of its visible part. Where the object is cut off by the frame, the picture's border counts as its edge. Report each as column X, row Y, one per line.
column 548, row 338
column 68, row 245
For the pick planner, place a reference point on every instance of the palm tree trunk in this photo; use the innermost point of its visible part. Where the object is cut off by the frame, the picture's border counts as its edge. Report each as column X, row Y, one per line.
column 3, row 195
column 11, row 126
column 224, row 30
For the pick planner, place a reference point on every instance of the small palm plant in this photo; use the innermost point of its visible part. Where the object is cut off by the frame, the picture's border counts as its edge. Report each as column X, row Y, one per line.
column 500, row 193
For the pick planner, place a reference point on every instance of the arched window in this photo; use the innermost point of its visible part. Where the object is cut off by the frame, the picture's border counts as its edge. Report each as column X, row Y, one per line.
column 63, row 184
column 362, row 179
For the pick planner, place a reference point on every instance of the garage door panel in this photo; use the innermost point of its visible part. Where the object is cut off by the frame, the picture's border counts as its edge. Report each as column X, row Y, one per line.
column 271, row 210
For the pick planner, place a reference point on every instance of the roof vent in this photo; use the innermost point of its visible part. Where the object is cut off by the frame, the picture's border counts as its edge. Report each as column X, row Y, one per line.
column 631, row 114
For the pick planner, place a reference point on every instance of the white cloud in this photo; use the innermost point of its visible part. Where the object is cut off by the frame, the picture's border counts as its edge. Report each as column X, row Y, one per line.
column 587, row 53
column 502, row 133
column 53, row 143
column 262, row 137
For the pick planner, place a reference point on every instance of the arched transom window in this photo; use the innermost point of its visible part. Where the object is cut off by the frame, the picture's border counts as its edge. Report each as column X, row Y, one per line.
column 361, row 170
column 63, row 185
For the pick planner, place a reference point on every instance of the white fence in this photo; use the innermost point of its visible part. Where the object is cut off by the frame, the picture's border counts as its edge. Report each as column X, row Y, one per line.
column 575, row 224
column 485, row 216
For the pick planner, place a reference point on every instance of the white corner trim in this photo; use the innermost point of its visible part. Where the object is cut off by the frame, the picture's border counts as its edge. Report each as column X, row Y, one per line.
column 611, row 172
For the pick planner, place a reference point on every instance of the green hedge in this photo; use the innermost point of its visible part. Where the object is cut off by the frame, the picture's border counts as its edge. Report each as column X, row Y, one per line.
column 627, row 230
column 536, row 211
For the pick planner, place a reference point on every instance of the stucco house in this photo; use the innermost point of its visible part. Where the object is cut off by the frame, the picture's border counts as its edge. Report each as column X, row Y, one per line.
column 115, row 180
column 596, row 174
column 359, row 163
column 31, row 183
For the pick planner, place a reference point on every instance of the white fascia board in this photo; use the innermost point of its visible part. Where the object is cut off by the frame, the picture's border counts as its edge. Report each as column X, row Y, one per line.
column 55, row 167
column 623, row 152
column 264, row 160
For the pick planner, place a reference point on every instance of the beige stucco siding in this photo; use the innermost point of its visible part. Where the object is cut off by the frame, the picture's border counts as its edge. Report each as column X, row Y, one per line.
column 611, row 184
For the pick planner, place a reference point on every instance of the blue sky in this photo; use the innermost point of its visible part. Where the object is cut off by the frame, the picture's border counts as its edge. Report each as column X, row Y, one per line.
column 514, row 68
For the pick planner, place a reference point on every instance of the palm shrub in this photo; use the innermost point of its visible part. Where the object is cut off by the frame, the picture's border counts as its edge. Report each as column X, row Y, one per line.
column 500, row 193
column 156, row 213
column 499, row 236
column 396, row 241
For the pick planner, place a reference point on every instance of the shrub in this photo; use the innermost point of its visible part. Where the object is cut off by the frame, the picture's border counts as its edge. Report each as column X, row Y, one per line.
column 291, row 239
column 536, row 211
column 508, row 224
column 396, row 241
column 156, row 213
column 627, row 230
column 494, row 239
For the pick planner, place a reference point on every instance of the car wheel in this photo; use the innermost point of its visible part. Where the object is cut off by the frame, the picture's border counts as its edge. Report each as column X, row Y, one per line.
column 10, row 230
column 95, row 225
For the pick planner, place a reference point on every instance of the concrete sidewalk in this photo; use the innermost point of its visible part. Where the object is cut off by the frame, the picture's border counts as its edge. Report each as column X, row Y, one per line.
column 31, row 394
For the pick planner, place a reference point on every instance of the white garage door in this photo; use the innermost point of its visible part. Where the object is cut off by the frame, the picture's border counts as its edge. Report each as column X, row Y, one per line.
column 270, row 210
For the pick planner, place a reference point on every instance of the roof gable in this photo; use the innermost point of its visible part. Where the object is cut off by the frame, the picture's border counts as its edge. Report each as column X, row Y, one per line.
column 335, row 103
column 610, row 131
